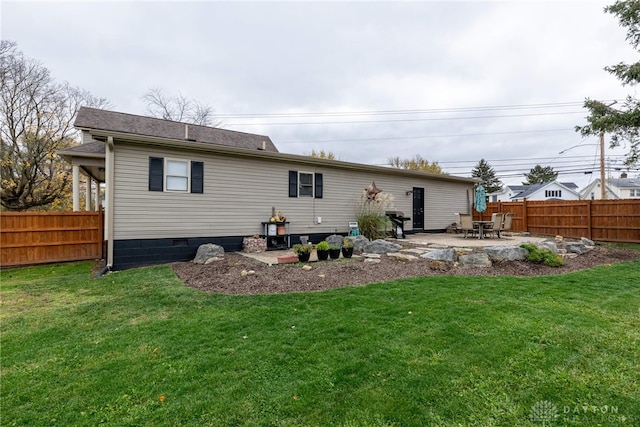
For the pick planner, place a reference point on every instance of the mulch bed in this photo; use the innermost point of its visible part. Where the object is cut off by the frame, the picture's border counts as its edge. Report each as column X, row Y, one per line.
column 239, row 275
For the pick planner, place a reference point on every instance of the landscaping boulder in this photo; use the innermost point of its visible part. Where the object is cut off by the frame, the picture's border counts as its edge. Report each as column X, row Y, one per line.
column 359, row 242
column 381, row 246
column 549, row 245
column 506, row 253
column 576, row 247
column 206, row 251
column 402, row 257
column 334, row 240
column 587, row 242
column 447, row 255
column 475, row 260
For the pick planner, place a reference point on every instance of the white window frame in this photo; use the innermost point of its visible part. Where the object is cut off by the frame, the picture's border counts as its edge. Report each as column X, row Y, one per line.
column 167, row 176
column 634, row 193
column 300, row 186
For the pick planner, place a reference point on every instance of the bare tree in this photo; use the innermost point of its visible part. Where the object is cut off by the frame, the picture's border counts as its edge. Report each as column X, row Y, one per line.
column 417, row 162
column 36, row 119
column 178, row 108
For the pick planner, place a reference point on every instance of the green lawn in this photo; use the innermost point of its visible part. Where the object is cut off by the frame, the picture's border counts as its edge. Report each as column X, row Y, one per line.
column 137, row 348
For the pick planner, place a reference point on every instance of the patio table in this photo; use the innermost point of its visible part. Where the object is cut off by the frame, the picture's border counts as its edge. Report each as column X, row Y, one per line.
column 481, row 225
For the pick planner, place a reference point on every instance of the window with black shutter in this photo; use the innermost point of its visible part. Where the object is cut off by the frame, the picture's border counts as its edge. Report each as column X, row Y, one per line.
column 176, row 175
column 305, row 184
column 197, row 177
column 156, row 174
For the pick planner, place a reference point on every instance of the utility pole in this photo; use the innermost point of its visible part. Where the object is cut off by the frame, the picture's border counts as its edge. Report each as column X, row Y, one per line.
column 603, row 191
column 603, row 194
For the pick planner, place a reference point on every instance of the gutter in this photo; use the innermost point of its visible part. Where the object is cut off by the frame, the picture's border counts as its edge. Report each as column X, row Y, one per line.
column 109, row 188
column 285, row 157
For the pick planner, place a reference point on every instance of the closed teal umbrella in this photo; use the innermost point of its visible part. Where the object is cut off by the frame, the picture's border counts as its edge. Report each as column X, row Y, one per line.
column 481, row 199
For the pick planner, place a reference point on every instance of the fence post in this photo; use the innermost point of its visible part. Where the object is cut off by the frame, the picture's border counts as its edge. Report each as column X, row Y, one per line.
column 525, row 224
column 589, row 222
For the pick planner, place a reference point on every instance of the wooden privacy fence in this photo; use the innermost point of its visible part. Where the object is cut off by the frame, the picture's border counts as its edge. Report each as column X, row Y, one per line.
column 42, row 237
column 603, row 220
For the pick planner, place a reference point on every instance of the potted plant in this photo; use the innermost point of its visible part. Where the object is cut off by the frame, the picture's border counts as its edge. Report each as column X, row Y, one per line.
column 347, row 247
column 334, row 252
column 322, row 249
column 303, row 251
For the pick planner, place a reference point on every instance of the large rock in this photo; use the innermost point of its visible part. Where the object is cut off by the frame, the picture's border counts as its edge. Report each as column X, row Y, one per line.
column 359, row 242
column 447, row 255
column 334, row 240
column 381, row 246
column 506, row 253
column 587, row 242
column 206, row 251
column 402, row 256
column 576, row 247
column 475, row 260
column 549, row 245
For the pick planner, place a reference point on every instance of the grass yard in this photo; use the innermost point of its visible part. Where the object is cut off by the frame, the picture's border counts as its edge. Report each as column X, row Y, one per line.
column 137, row 348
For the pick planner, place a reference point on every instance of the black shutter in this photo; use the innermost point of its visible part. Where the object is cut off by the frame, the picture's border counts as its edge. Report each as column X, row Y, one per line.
column 156, row 174
column 197, row 177
column 318, row 180
column 293, row 183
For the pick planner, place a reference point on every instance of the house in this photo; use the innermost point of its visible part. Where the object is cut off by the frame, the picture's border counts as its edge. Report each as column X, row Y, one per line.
column 553, row 190
column 546, row 191
column 620, row 188
column 505, row 195
column 172, row 186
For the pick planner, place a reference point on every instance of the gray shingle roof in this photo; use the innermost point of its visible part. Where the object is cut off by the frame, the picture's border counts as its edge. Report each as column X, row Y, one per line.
column 625, row 182
column 93, row 147
column 93, row 118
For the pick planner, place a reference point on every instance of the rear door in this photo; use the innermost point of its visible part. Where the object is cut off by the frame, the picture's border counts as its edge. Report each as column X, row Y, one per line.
column 418, row 208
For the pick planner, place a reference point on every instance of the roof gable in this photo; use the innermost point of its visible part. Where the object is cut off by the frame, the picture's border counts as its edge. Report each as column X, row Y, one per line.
column 528, row 190
column 97, row 119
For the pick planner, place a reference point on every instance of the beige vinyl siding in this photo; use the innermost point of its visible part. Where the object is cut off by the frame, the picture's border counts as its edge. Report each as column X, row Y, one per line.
column 239, row 194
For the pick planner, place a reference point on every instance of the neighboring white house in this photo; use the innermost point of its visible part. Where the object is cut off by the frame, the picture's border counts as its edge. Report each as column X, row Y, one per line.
column 172, row 186
column 507, row 192
column 548, row 191
column 620, row 188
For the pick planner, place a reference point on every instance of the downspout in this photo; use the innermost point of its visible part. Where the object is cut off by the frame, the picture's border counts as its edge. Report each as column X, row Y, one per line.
column 108, row 209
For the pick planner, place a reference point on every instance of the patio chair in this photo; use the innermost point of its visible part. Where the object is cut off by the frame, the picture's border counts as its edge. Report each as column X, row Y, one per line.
column 496, row 223
column 466, row 224
column 506, row 224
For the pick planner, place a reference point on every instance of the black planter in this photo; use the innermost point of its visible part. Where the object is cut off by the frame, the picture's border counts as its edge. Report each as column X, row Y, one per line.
column 334, row 253
column 347, row 252
column 322, row 255
column 304, row 256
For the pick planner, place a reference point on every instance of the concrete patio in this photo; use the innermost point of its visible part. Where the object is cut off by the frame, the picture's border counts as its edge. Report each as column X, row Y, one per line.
column 431, row 240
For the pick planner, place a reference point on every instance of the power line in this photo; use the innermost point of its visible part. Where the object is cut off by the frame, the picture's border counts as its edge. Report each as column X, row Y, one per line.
column 501, row 116
column 424, row 136
column 393, row 112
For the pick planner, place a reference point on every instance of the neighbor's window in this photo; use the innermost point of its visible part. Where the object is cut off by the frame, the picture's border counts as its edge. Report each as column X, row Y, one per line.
column 634, row 193
column 305, row 181
column 553, row 193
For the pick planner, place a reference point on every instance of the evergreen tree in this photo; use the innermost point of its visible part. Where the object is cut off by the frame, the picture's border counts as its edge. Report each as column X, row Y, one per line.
column 623, row 123
column 540, row 175
column 485, row 172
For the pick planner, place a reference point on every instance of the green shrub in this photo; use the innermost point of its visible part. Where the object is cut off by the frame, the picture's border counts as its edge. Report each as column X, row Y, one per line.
column 542, row 256
column 299, row 248
column 347, row 243
column 372, row 225
column 322, row 246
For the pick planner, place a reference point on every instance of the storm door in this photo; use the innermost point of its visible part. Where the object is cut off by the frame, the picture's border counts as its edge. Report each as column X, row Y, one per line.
column 418, row 208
